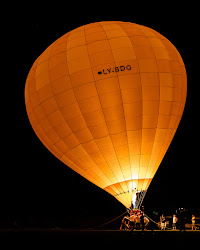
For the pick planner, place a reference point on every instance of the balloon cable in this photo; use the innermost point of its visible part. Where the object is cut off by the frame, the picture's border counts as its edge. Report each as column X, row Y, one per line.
column 101, row 225
column 106, row 222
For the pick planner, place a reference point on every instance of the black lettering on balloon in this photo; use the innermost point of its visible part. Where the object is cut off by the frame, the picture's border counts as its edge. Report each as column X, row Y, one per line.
column 114, row 70
column 128, row 67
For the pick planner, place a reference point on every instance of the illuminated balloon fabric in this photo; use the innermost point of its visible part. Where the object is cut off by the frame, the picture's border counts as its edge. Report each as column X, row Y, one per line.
column 106, row 99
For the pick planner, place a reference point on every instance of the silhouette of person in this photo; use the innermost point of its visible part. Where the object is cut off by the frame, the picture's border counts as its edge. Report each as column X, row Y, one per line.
column 182, row 220
column 142, row 221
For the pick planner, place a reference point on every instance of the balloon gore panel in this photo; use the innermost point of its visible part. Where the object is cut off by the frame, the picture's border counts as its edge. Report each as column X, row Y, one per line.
column 106, row 99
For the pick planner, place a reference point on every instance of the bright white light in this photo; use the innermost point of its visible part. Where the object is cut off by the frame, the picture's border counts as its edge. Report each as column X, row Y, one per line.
column 134, row 199
column 132, row 186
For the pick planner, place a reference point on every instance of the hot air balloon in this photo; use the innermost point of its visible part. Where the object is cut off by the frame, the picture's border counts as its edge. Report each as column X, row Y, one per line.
column 106, row 100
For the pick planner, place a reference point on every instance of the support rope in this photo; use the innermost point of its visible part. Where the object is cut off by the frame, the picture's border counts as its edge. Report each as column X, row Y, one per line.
column 127, row 211
column 106, row 222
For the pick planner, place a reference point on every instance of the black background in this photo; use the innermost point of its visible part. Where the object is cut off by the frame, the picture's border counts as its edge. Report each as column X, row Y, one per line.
column 40, row 191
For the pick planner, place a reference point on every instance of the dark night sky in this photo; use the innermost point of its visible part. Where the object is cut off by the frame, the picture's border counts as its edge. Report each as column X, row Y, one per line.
column 38, row 189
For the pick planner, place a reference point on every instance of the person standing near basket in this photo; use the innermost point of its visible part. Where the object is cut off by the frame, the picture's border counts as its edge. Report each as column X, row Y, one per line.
column 193, row 222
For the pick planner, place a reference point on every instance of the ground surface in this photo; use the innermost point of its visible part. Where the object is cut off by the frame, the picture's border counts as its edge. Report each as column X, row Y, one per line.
column 147, row 238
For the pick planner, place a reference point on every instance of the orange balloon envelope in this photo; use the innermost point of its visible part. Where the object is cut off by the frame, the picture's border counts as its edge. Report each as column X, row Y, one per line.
column 106, row 99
